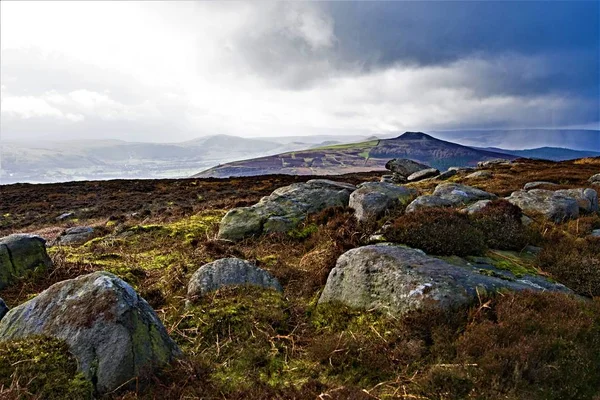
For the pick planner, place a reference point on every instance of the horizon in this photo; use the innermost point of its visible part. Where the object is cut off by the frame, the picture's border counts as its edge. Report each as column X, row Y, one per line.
column 188, row 70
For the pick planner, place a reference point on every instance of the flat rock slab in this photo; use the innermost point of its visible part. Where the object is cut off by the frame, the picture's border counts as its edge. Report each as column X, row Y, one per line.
column 372, row 199
column 75, row 235
column 21, row 253
column 423, row 174
column 113, row 333
column 3, row 309
column 229, row 272
column 538, row 184
column 398, row 279
column 490, row 163
column 553, row 206
column 483, row 174
column 284, row 209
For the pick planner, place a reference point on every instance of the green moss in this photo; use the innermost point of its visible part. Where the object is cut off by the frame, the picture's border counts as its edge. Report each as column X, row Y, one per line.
column 44, row 366
column 511, row 262
column 303, row 232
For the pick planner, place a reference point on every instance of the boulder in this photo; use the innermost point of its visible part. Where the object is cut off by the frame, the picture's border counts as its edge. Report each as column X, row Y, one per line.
column 397, row 279
column 483, row 174
column 477, row 206
column 284, row 209
column 372, row 199
column 405, row 167
column 65, row 216
column 489, row 163
column 20, row 253
column 229, row 272
column 75, row 235
column 594, row 178
column 587, row 199
column 595, row 233
column 446, row 175
column 537, row 184
column 112, row 332
column 554, row 206
column 461, row 169
column 3, row 309
column 428, row 201
column 461, row 194
column 387, row 179
column 423, row 174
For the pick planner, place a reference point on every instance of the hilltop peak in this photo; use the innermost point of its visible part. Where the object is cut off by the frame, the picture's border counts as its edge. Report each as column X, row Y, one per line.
column 414, row 136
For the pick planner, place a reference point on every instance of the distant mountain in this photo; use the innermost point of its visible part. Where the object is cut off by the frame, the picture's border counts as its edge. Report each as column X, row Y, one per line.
column 547, row 153
column 517, row 139
column 358, row 157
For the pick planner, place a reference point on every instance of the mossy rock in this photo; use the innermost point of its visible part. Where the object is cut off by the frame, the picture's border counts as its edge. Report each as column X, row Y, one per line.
column 21, row 254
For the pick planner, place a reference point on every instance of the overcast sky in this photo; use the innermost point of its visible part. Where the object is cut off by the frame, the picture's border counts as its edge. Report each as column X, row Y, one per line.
column 153, row 71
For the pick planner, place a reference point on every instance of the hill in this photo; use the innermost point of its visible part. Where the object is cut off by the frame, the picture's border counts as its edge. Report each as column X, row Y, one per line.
column 547, row 153
column 358, row 157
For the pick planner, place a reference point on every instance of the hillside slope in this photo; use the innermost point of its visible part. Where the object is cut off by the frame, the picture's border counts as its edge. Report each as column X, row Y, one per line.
column 358, row 157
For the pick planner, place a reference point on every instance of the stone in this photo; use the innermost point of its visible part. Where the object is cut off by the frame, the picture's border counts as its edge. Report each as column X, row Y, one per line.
column 594, row 178
column 483, row 174
column 446, row 175
column 477, row 206
column 3, row 309
column 65, row 216
column 553, row 206
column 20, row 253
column 372, row 199
column 461, row 169
column 428, row 201
column 398, row 279
column 397, row 178
column 537, row 184
column 423, row 174
column 387, row 179
column 229, row 272
column 75, row 235
column 405, row 167
column 595, row 233
column 490, row 163
column 113, row 333
column 461, row 194
column 284, row 209
column 587, row 199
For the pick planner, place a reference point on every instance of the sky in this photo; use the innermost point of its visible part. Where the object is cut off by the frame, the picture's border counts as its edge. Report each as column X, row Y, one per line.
column 167, row 72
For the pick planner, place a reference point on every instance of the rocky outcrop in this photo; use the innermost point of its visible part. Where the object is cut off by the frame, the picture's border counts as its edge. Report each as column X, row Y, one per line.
column 483, row 174
column 229, row 272
column 423, row 174
column 538, row 184
column 450, row 195
column 21, row 253
column 587, row 199
column 372, row 199
column 398, row 279
column 3, row 309
column 75, row 235
column 113, row 332
column 553, row 206
column 284, row 209
column 490, row 163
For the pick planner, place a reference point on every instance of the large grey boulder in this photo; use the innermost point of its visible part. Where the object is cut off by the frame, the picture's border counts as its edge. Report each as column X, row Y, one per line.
column 587, row 199
column 3, row 309
column 113, row 332
column 229, row 272
column 75, row 235
column 594, row 178
column 372, row 199
column 405, row 167
column 537, row 184
column 284, row 209
column 450, row 195
column 398, row 279
column 20, row 253
column 423, row 174
column 554, row 206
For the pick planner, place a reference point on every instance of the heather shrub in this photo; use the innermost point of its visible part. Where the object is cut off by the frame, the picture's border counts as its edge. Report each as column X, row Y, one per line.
column 437, row 231
column 500, row 224
column 575, row 262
